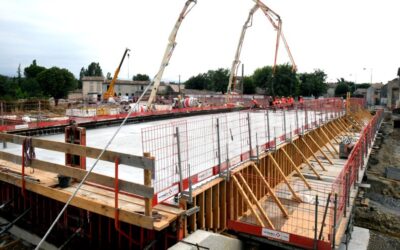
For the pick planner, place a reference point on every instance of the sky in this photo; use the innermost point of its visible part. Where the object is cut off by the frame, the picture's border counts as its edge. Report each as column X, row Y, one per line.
column 353, row 39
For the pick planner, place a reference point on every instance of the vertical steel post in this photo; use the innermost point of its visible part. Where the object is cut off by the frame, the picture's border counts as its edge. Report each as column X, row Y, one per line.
column 284, row 122
column 316, row 223
column 179, row 159
column 249, row 128
column 334, row 221
column 219, row 147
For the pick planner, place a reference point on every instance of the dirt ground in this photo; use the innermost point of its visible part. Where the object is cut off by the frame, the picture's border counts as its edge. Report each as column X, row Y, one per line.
column 379, row 206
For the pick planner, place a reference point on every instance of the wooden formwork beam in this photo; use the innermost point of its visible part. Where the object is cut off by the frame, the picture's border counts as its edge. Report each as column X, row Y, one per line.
column 215, row 207
column 324, row 143
column 339, row 130
column 222, row 204
column 201, row 217
column 307, row 161
column 295, row 197
column 295, row 168
column 328, row 140
column 258, row 205
column 246, row 199
column 271, row 191
column 334, row 128
column 312, row 153
column 320, row 149
column 328, row 132
column 344, row 127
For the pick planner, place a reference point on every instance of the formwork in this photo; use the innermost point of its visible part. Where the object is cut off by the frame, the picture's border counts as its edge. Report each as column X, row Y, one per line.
column 271, row 173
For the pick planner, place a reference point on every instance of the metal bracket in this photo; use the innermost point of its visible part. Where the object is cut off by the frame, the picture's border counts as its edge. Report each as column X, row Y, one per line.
column 192, row 210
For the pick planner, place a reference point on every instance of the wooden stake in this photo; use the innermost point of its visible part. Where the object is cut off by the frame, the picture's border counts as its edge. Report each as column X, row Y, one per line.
column 266, row 218
column 307, row 161
column 246, row 199
column 295, row 168
column 147, row 182
column 271, row 191
column 295, row 197
column 312, row 153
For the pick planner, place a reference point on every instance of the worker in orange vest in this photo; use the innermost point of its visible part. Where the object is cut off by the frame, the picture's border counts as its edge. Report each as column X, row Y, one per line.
column 284, row 101
column 290, row 101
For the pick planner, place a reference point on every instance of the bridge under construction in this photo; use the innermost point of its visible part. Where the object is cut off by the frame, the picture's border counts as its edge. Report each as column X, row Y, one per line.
column 286, row 176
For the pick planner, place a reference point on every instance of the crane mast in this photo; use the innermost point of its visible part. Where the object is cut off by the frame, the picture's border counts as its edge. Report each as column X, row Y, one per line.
column 276, row 22
column 110, row 91
column 169, row 50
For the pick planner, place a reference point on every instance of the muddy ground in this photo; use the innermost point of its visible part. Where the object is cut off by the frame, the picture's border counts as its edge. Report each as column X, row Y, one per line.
column 379, row 206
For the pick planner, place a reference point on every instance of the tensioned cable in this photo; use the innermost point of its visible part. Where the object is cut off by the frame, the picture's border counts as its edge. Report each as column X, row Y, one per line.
column 94, row 164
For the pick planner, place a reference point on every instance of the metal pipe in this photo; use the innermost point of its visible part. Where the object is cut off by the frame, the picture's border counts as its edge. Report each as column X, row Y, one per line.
column 316, row 223
column 325, row 213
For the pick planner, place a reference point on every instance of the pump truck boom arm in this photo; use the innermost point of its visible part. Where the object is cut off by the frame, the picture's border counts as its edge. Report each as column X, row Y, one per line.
column 110, row 91
column 276, row 22
column 169, row 50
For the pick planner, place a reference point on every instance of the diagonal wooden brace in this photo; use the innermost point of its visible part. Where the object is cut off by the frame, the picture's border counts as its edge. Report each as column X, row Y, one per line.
column 307, row 161
column 295, row 168
column 295, row 197
column 320, row 149
column 312, row 153
column 271, row 191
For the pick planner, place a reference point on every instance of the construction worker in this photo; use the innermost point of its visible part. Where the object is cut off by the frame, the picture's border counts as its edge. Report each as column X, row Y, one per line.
column 283, row 102
column 290, row 101
column 301, row 101
column 255, row 103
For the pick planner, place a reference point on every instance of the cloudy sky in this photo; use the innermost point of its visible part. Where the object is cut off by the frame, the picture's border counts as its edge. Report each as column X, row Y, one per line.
column 349, row 39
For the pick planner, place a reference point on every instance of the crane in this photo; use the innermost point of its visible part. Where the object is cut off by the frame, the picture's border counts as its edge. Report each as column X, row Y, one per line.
column 110, row 91
column 169, row 50
column 276, row 22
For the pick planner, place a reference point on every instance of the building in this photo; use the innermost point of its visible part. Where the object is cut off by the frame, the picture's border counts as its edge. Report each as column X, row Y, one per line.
column 393, row 97
column 374, row 94
column 331, row 89
column 360, row 92
column 96, row 86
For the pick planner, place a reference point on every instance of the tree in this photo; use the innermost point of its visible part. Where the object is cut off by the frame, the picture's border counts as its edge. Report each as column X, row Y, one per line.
column 343, row 86
column 283, row 82
column 141, row 77
column 313, row 83
column 218, row 80
column 363, row 85
column 248, row 85
column 56, row 82
column 33, row 70
column 201, row 81
column 93, row 69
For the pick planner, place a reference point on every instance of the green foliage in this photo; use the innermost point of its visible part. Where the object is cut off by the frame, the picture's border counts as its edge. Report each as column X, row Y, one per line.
column 249, row 86
column 344, row 86
column 33, row 70
column 215, row 80
column 56, row 82
column 283, row 83
column 313, row 83
column 141, row 77
column 93, row 69
column 201, row 81
column 363, row 86
column 218, row 80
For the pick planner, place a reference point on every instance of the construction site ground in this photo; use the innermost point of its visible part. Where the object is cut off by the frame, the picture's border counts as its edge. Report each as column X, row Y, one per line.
column 378, row 208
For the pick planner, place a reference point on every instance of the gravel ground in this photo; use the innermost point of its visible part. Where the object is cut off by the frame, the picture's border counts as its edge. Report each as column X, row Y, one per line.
column 379, row 241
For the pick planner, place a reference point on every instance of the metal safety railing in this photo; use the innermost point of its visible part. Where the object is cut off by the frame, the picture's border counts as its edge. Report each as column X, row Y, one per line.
column 192, row 150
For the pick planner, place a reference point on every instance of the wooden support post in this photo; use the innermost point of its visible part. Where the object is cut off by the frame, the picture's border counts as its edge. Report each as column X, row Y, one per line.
column 295, row 168
column 271, row 191
column 329, row 141
column 215, row 205
column 222, row 204
column 209, row 211
column 307, row 161
column 320, row 149
column 192, row 219
column 325, row 144
column 201, row 217
column 246, row 199
column 338, row 130
column 295, row 197
column 343, row 127
column 332, row 135
column 312, row 153
column 147, row 182
column 232, row 202
column 258, row 205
